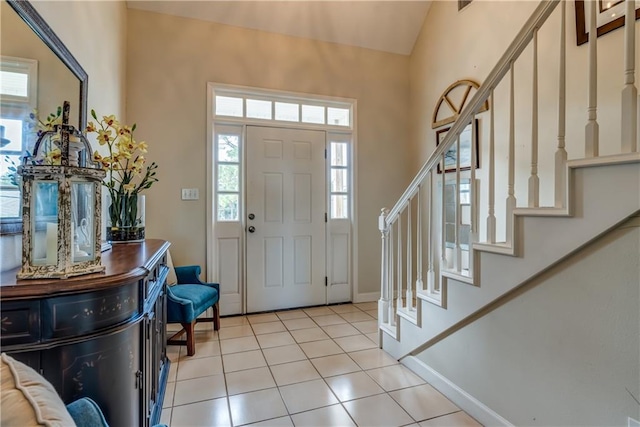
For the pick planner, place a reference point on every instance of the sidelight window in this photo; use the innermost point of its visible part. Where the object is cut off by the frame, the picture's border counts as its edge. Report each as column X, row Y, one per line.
column 339, row 190
column 228, row 177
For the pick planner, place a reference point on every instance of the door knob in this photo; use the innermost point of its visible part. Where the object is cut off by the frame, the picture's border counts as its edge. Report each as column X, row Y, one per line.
column 252, row 229
column 251, row 216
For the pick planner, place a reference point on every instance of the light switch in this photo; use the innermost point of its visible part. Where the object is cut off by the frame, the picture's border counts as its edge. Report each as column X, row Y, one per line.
column 190, row 194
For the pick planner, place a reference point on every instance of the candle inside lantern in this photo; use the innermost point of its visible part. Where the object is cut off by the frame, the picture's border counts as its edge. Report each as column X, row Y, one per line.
column 52, row 243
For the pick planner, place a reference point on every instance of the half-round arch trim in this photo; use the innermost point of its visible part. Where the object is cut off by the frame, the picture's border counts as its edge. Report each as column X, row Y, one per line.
column 456, row 108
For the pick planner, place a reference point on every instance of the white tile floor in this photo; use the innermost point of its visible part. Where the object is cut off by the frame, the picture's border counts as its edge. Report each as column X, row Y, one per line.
column 313, row 367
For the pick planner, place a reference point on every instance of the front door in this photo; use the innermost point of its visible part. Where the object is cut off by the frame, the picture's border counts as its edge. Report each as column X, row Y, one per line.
column 285, row 218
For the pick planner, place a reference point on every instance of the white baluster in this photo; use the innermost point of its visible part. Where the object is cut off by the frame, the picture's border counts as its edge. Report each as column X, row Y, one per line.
column 458, row 249
column 392, row 287
column 592, row 130
column 443, row 249
column 630, row 92
column 511, row 198
column 534, row 180
column 491, row 219
column 473, row 229
column 431, row 275
column 419, row 260
column 409, row 294
column 399, row 303
column 383, row 302
column 561, row 152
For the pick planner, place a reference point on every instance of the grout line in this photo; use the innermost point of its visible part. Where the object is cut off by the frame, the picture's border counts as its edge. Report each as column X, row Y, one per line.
column 309, row 360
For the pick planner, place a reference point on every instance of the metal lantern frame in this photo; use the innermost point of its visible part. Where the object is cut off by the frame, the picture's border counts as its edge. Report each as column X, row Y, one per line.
column 66, row 174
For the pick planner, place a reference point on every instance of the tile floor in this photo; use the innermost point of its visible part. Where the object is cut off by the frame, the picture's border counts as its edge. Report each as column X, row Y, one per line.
column 310, row 367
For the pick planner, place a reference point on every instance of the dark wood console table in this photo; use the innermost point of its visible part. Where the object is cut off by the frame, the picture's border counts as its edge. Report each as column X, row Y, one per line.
column 100, row 335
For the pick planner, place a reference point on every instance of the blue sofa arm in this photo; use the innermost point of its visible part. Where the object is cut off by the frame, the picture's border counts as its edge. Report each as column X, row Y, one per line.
column 86, row 413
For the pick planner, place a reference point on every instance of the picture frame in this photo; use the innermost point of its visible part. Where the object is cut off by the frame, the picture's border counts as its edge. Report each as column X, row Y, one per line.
column 466, row 140
column 610, row 17
column 463, row 3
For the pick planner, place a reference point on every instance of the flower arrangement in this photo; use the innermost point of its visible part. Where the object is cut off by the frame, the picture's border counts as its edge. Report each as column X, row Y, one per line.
column 47, row 124
column 53, row 154
column 125, row 166
column 37, row 127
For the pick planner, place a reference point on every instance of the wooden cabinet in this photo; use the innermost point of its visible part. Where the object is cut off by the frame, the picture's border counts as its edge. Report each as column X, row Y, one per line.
column 99, row 335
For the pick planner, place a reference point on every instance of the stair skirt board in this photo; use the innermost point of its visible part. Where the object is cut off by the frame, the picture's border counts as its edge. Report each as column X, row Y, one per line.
column 472, row 406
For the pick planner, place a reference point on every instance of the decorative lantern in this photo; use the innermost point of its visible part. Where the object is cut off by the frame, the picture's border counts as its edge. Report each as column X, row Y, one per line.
column 61, row 205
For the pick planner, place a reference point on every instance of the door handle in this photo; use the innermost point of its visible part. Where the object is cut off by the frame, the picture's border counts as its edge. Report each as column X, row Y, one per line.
column 252, row 229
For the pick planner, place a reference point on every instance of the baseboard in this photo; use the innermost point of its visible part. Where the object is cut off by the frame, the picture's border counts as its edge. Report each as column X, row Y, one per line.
column 367, row 297
column 461, row 398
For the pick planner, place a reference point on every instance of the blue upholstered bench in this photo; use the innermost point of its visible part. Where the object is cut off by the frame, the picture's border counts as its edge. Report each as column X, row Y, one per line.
column 187, row 299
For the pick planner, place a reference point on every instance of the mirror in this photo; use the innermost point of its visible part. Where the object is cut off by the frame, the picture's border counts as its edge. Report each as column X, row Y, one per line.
column 28, row 40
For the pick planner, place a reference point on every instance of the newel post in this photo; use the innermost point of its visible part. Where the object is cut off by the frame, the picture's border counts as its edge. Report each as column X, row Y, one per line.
column 383, row 303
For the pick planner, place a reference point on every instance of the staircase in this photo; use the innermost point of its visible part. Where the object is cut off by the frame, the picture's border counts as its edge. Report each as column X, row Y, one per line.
column 449, row 257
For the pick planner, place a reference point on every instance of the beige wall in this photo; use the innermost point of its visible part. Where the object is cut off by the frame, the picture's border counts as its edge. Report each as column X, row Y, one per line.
column 171, row 59
column 564, row 353
column 95, row 33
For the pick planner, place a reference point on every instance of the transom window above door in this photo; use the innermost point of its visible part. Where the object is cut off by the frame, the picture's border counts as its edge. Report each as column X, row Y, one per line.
column 277, row 108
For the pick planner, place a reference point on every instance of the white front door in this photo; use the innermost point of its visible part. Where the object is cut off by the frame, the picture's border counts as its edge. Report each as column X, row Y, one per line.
column 285, row 218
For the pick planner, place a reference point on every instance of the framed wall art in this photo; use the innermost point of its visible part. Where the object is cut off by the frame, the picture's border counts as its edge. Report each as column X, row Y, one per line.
column 466, row 139
column 610, row 16
column 463, row 3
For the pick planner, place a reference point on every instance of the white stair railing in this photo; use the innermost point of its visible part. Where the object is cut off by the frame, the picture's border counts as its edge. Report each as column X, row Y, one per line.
column 434, row 226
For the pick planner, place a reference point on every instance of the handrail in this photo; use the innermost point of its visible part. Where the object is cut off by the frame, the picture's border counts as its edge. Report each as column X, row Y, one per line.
column 521, row 41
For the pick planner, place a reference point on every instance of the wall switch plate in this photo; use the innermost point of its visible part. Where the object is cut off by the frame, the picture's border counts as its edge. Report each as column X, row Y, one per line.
column 190, row 194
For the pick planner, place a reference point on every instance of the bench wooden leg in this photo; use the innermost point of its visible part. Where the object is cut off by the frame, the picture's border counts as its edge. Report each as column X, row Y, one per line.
column 216, row 317
column 191, row 339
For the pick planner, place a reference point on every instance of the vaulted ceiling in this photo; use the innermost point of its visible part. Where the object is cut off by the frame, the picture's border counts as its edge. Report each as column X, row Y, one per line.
column 389, row 26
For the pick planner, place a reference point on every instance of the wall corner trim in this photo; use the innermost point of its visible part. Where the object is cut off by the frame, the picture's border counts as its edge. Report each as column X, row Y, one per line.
column 461, row 398
column 366, row 297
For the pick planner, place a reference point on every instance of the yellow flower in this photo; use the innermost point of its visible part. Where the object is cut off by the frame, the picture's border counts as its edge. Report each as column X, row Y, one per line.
column 124, row 130
column 91, row 127
column 104, row 137
column 142, row 146
column 53, row 157
column 110, row 120
column 97, row 157
column 129, row 187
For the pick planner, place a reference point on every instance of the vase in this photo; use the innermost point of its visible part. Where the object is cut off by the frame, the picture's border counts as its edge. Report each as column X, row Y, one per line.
column 126, row 215
column 131, row 234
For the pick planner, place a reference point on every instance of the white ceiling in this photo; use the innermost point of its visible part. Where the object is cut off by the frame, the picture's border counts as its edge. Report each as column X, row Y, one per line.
column 389, row 26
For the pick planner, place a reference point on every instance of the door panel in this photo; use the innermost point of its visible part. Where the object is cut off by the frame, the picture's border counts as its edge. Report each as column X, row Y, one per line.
column 286, row 265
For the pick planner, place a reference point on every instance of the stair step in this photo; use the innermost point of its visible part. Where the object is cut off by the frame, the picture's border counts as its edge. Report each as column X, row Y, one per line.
column 432, row 297
column 502, row 248
column 452, row 274
column 542, row 211
column 409, row 314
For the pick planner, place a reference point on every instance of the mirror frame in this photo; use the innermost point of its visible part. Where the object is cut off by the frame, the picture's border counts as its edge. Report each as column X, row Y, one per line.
column 34, row 20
